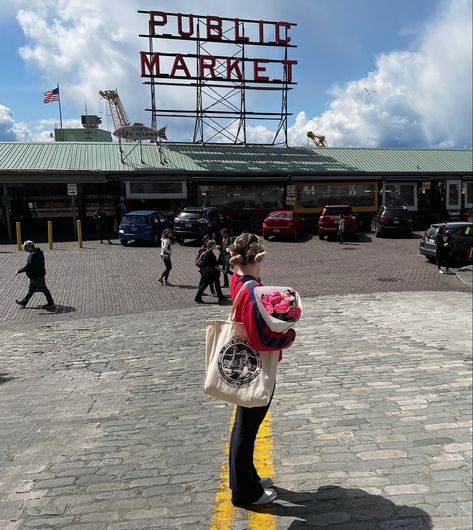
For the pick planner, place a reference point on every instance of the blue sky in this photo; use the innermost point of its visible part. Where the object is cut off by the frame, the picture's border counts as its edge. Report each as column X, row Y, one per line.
column 413, row 57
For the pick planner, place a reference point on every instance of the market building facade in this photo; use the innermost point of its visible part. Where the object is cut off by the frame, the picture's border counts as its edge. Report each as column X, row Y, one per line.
column 246, row 181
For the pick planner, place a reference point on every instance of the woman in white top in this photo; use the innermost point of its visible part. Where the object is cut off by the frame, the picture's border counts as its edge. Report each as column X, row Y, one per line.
column 166, row 249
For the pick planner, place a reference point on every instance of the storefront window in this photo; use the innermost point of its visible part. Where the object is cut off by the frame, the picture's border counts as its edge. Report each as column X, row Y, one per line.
column 401, row 195
column 318, row 195
column 156, row 190
column 236, row 198
column 469, row 195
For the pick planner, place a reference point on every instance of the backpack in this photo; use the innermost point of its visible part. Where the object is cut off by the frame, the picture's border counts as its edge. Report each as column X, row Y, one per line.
column 200, row 258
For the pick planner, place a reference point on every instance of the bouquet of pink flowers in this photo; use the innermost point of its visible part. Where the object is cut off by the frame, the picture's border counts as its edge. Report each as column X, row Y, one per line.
column 280, row 307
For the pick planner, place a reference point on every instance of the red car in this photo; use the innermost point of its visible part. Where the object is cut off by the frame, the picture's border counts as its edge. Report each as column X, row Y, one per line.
column 330, row 217
column 283, row 223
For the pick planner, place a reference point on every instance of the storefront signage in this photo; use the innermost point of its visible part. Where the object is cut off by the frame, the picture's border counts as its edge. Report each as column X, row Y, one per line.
column 72, row 189
column 222, row 68
column 138, row 131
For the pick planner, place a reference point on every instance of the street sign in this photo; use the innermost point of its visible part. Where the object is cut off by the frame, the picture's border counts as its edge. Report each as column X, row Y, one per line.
column 72, row 189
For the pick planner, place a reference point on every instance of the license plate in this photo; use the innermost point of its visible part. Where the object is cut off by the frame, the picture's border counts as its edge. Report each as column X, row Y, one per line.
column 188, row 225
column 396, row 222
column 276, row 230
column 430, row 241
column 134, row 229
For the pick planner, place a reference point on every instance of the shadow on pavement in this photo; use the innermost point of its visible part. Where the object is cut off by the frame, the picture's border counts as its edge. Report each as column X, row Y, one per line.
column 57, row 309
column 4, row 378
column 332, row 505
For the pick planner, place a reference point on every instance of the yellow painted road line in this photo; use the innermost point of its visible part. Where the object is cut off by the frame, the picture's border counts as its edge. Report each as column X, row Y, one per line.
column 224, row 511
column 263, row 460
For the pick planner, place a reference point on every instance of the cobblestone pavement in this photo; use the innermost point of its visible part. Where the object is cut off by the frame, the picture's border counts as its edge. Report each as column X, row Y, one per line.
column 111, row 279
column 103, row 423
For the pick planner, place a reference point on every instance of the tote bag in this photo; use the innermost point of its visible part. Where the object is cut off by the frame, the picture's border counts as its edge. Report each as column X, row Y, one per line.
column 235, row 371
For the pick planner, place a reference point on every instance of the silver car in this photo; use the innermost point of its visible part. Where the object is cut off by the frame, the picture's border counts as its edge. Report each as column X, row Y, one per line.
column 461, row 245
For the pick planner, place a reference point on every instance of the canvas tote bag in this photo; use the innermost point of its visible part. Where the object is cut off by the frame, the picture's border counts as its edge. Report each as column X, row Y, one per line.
column 236, row 372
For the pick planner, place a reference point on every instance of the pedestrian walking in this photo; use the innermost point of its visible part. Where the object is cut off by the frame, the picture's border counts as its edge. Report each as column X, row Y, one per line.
column 101, row 222
column 247, row 487
column 166, row 250
column 210, row 272
column 199, row 262
column 224, row 256
column 36, row 271
column 341, row 229
column 442, row 251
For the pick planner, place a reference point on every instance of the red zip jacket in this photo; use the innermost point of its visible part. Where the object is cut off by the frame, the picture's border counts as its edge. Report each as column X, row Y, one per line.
column 260, row 336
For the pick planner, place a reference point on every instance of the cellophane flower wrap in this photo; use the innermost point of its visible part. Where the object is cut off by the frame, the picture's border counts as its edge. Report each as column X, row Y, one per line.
column 280, row 307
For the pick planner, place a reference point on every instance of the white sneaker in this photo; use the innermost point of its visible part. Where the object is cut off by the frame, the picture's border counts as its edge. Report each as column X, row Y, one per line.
column 268, row 496
column 441, row 271
column 267, row 482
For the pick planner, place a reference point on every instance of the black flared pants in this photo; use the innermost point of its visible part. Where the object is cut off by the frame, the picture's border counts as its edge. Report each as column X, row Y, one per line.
column 244, row 479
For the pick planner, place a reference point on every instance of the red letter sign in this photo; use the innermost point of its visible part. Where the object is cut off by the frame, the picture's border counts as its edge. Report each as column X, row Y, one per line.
column 153, row 22
column 234, row 65
column 238, row 37
column 258, row 69
column 181, row 32
column 207, row 62
column 147, row 64
column 214, row 24
column 180, row 64
column 289, row 65
column 278, row 27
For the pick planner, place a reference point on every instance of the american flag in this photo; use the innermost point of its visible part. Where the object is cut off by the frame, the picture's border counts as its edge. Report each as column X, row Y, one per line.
column 51, row 95
column 162, row 133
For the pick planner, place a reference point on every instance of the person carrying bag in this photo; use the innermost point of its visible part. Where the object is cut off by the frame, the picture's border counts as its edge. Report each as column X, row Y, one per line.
column 242, row 355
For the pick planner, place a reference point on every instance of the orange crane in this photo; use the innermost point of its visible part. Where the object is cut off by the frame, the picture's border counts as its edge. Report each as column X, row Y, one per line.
column 318, row 139
column 119, row 115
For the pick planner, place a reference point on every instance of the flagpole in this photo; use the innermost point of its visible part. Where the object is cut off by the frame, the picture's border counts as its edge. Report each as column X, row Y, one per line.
column 60, row 113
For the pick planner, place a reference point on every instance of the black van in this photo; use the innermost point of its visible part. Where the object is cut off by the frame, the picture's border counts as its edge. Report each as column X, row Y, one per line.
column 195, row 222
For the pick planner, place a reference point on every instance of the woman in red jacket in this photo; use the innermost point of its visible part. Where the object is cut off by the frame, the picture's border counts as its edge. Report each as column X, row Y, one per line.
column 247, row 487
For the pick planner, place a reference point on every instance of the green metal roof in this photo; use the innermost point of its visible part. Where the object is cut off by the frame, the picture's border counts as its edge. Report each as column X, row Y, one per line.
column 94, row 162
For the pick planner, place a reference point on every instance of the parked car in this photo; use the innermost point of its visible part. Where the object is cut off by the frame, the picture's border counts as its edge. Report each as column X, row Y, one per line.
column 330, row 217
column 283, row 223
column 461, row 244
column 142, row 225
column 392, row 219
column 195, row 222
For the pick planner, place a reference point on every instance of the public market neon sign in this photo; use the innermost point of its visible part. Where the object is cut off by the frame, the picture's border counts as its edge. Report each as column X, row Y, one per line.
column 213, row 29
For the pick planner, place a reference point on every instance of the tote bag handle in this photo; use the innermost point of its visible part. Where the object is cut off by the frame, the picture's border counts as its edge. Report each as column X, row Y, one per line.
column 231, row 316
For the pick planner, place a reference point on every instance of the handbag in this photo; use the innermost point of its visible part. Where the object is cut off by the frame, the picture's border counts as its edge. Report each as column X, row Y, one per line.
column 235, row 371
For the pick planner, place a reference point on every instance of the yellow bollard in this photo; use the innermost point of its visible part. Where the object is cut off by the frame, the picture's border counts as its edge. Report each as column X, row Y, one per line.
column 50, row 234
column 18, row 235
column 79, row 232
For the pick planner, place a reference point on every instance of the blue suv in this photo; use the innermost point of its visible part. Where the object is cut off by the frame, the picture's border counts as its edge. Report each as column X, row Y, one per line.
column 142, row 225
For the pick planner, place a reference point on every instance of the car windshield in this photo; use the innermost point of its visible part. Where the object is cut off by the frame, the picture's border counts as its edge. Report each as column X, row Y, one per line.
column 189, row 216
column 280, row 215
column 432, row 231
column 396, row 211
column 338, row 211
column 134, row 219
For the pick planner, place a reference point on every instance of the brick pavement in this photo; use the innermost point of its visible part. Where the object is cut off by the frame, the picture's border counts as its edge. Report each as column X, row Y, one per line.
column 104, row 424
column 104, row 279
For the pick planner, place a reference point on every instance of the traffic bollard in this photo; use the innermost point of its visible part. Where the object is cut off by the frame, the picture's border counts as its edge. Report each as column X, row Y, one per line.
column 50, row 234
column 79, row 232
column 18, row 235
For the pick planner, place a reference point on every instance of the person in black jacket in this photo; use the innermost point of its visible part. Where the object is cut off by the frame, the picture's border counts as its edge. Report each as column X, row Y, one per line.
column 36, row 272
column 101, row 223
column 442, row 241
column 210, row 272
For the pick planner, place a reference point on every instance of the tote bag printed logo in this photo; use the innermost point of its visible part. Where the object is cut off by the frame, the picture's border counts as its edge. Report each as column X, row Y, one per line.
column 238, row 362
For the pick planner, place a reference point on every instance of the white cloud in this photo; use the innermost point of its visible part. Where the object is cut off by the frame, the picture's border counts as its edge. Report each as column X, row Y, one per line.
column 11, row 130
column 419, row 98
column 416, row 97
